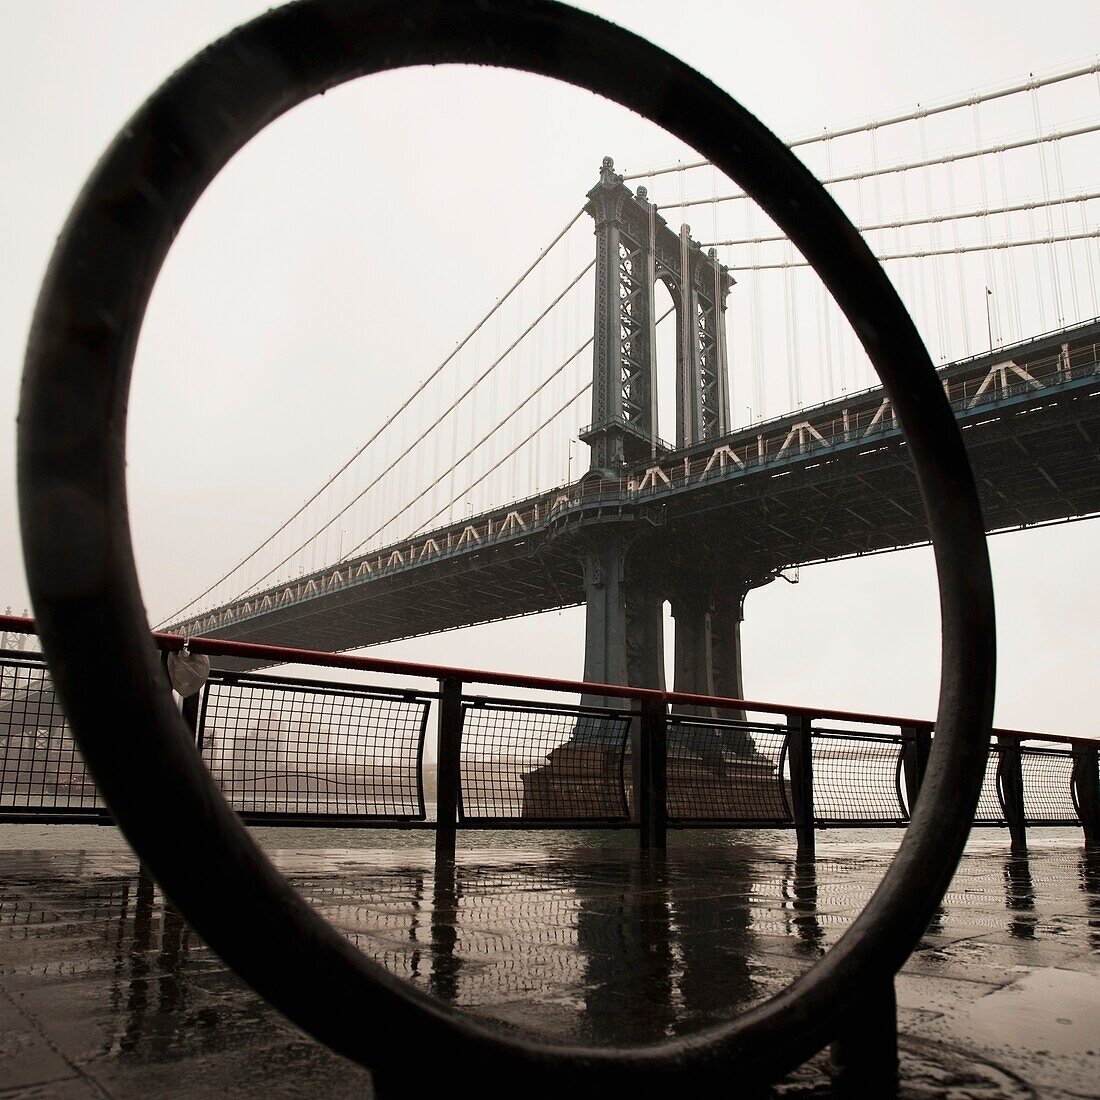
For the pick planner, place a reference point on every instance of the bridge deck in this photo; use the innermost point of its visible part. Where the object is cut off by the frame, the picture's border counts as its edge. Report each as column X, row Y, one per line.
column 824, row 483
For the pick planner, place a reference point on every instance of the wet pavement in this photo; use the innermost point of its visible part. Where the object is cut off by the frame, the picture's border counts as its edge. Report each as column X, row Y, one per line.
column 106, row 992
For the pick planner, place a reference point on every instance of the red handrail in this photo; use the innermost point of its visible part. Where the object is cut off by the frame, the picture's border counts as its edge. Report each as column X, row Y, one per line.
column 286, row 655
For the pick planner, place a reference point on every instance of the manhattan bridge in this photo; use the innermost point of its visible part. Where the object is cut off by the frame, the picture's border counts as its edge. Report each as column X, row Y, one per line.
column 683, row 415
column 664, row 409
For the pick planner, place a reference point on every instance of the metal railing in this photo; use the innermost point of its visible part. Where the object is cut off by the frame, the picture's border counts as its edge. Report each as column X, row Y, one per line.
column 42, row 775
column 296, row 749
column 551, row 764
column 292, row 751
column 82, row 578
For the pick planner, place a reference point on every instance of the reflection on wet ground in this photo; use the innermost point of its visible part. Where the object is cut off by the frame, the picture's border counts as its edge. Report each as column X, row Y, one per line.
column 105, row 991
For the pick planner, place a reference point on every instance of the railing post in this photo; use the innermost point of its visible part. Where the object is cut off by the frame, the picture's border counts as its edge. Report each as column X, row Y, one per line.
column 800, row 756
column 448, row 775
column 916, row 746
column 189, row 709
column 651, row 777
column 863, row 1059
column 1011, row 785
column 1086, row 783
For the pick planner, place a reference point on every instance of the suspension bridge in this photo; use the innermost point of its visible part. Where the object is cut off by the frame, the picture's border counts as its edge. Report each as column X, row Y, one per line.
column 471, row 502
column 733, row 433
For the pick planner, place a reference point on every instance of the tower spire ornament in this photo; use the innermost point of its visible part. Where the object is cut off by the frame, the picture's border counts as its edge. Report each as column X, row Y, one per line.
column 634, row 248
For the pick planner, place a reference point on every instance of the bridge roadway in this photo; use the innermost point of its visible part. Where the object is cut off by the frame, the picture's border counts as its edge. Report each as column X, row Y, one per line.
column 829, row 482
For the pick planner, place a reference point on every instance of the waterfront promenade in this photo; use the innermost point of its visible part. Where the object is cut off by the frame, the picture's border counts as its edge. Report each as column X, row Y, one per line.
column 105, row 991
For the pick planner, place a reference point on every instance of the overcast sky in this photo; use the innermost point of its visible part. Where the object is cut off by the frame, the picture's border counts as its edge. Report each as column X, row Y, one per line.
column 345, row 250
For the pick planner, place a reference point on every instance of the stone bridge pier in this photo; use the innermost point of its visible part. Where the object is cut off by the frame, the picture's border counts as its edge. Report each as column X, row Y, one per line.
column 630, row 568
column 627, row 582
column 628, row 575
column 628, row 579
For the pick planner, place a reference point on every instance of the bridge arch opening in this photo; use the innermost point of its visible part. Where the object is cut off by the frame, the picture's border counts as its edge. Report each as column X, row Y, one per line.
column 666, row 341
column 668, row 638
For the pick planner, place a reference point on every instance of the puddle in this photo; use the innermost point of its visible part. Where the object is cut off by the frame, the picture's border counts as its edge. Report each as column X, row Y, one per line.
column 1048, row 1011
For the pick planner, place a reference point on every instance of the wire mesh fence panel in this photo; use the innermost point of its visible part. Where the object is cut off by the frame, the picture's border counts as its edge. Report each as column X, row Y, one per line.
column 989, row 810
column 40, row 766
column 726, row 771
column 856, row 777
column 1048, row 785
column 289, row 750
column 543, row 763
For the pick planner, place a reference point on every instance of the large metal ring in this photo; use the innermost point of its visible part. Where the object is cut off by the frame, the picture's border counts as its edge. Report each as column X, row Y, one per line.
column 93, row 626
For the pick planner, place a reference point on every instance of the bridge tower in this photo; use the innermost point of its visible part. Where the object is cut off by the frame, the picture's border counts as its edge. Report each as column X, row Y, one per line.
column 635, row 248
column 625, row 585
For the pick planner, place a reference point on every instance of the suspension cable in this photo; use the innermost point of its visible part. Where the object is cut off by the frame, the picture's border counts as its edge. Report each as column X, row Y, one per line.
column 458, row 461
column 522, row 443
column 894, row 120
column 416, row 442
column 1086, row 235
column 519, row 446
column 908, row 166
column 984, row 212
column 544, row 252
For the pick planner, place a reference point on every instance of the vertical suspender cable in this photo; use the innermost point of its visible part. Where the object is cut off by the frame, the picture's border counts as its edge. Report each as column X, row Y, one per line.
column 1070, row 250
column 757, row 410
column 829, row 307
column 1013, row 268
column 937, row 275
column 1052, row 255
column 918, row 301
column 960, row 264
column 1089, row 246
column 822, row 391
column 790, row 316
column 1039, row 296
column 992, row 290
column 876, row 195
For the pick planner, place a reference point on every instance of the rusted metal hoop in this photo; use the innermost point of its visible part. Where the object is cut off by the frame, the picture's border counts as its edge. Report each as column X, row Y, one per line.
column 88, row 606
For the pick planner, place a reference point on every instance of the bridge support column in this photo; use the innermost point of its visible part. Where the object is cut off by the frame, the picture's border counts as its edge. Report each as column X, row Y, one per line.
column 1088, row 793
column 1010, row 779
column 708, row 643
column 624, row 644
column 708, row 652
column 624, row 632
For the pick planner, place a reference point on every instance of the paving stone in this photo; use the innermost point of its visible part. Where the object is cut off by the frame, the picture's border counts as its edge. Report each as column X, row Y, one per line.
column 105, row 991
